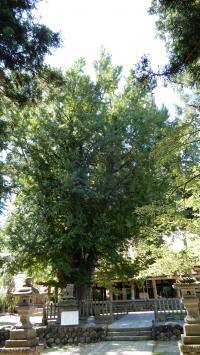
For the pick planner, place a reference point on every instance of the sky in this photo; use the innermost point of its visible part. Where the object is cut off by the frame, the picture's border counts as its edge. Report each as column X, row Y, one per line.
column 122, row 27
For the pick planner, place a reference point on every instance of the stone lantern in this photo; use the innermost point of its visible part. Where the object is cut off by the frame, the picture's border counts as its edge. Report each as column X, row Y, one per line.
column 190, row 340
column 23, row 338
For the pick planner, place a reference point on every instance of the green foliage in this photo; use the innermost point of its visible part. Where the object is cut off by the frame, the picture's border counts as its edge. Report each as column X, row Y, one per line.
column 23, row 46
column 178, row 151
column 130, row 264
column 120, row 267
column 81, row 162
column 7, row 300
column 178, row 25
column 173, row 258
column 3, row 184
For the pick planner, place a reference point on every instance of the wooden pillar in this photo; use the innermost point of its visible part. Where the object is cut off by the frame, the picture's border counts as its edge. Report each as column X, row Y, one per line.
column 110, row 295
column 147, row 290
column 155, row 294
column 132, row 291
column 49, row 294
column 124, row 295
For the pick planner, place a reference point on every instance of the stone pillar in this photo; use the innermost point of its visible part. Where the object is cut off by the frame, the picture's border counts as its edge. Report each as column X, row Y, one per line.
column 23, row 338
column 190, row 340
column 68, row 313
column 155, row 294
column 132, row 291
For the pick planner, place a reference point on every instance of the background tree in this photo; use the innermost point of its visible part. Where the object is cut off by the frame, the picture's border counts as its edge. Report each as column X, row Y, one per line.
column 23, row 45
column 81, row 162
column 170, row 260
column 178, row 24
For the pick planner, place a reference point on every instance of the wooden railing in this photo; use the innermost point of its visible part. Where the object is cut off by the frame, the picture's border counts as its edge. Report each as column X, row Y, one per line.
column 133, row 306
column 167, row 309
column 102, row 308
column 50, row 312
column 95, row 308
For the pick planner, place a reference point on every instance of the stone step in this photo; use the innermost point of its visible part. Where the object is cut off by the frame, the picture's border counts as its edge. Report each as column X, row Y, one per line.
column 192, row 329
column 190, row 349
column 129, row 329
column 130, row 333
column 128, row 338
column 191, row 339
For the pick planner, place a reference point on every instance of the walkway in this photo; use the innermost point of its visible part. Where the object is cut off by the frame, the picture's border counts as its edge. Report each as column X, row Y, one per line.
column 119, row 348
column 134, row 320
column 131, row 320
column 11, row 319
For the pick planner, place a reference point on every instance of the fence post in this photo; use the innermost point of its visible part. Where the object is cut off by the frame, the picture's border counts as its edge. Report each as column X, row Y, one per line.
column 111, row 311
column 155, row 310
column 44, row 316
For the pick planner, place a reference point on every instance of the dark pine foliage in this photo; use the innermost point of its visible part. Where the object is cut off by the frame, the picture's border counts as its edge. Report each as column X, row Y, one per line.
column 179, row 25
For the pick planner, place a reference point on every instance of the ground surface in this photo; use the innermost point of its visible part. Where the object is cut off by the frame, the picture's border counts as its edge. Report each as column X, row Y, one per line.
column 132, row 320
column 149, row 347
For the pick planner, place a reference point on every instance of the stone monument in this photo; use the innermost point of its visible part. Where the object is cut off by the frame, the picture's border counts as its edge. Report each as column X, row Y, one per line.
column 67, row 307
column 190, row 340
column 23, row 340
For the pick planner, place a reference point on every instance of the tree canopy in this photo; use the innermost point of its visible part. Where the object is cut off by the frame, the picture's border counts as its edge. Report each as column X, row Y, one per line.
column 81, row 162
column 23, row 45
column 24, row 42
column 96, row 170
column 178, row 24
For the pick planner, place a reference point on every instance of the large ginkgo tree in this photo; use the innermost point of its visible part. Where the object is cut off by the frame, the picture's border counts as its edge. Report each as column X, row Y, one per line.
column 81, row 163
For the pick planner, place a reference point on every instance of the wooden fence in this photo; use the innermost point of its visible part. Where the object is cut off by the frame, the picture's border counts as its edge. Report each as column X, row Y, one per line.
column 101, row 309
column 164, row 309
column 50, row 312
column 98, row 308
column 167, row 309
column 95, row 308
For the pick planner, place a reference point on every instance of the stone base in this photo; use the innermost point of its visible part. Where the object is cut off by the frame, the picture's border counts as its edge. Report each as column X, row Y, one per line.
column 189, row 349
column 192, row 329
column 23, row 343
column 36, row 350
column 190, row 339
column 21, row 334
column 192, row 321
column 69, row 305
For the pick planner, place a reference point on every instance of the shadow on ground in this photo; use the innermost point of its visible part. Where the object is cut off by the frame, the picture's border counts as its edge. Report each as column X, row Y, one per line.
column 118, row 348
